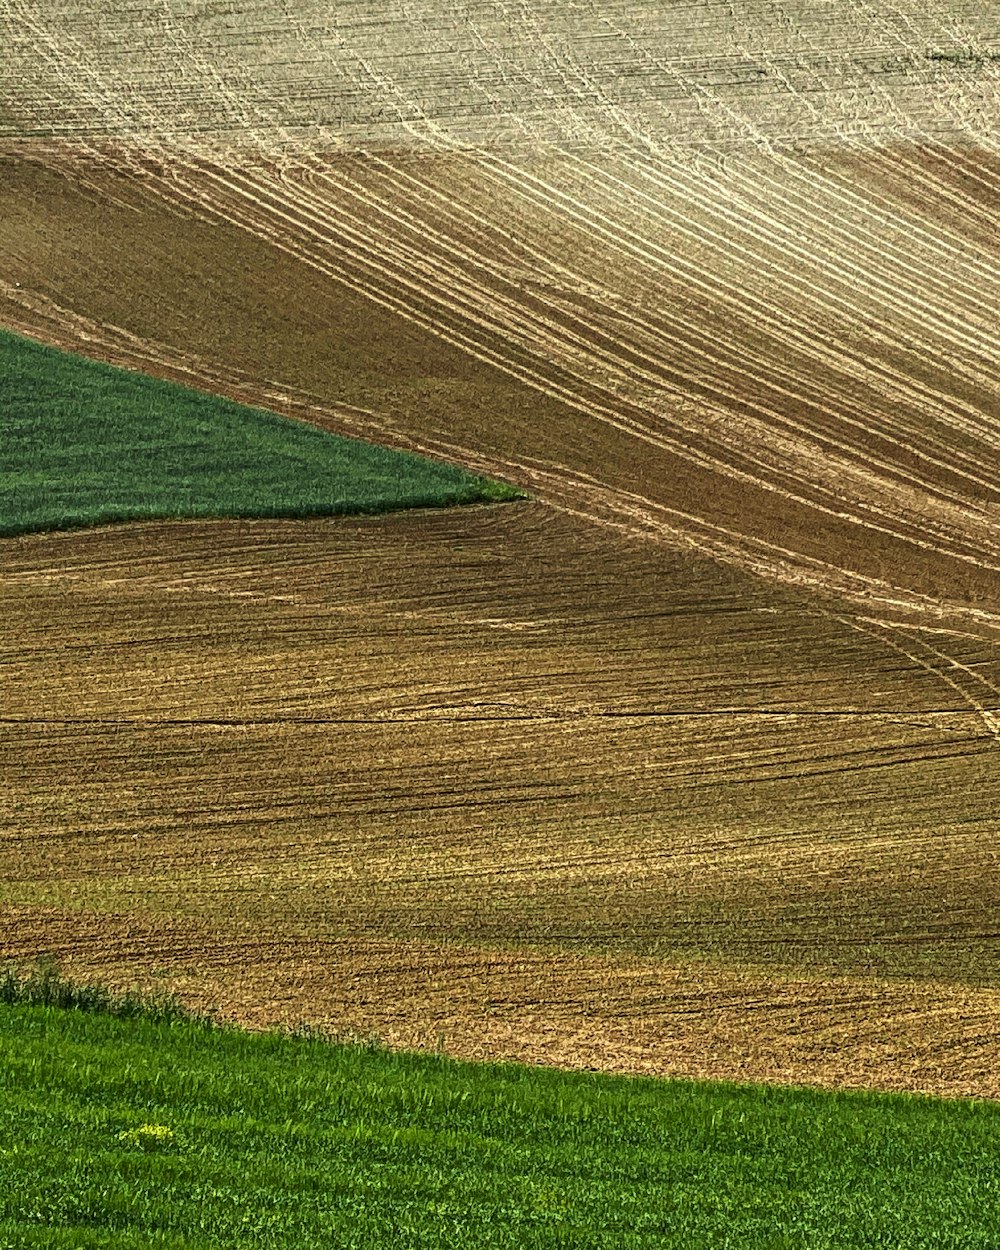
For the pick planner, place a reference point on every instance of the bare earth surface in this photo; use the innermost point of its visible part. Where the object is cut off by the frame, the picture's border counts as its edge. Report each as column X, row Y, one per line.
column 689, row 766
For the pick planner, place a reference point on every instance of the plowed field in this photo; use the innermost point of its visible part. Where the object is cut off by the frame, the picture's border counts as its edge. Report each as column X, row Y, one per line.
column 691, row 764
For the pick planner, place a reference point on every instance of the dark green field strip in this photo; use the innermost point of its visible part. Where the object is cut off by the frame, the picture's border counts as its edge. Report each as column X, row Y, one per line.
column 85, row 444
column 122, row 1133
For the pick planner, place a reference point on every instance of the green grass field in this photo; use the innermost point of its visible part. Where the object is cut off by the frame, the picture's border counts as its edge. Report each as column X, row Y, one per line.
column 144, row 1132
column 83, row 444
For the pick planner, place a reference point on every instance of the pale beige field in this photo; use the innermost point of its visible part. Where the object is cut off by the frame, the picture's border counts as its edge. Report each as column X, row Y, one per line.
column 689, row 765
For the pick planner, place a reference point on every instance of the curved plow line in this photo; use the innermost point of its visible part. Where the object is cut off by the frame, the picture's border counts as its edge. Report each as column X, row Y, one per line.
column 431, row 132
column 978, row 428
column 843, row 581
column 821, row 296
column 989, row 716
column 648, row 144
column 555, row 193
column 394, row 212
column 420, row 268
column 901, row 164
column 563, row 489
column 888, row 257
column 681, row 191
column 396, row 304
column 975, row 173
column 901, row 385
column 978, row 341
column 590, row 350
column 814, row 436
column 231, row 182
column 902, row 167
column 736, row 553
column 812, row 347
column 603, row 228
column 366, row 290
column 457, row 304
column 992, row 689
column 76, row 329
column 950, row 466
column 778, row 192
column 767, row 560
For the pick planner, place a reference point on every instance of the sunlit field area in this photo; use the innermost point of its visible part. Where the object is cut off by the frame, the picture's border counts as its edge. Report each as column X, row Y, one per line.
column 684, row 765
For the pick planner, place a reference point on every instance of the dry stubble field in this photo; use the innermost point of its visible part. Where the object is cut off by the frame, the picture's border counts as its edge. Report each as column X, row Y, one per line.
column 689, row 765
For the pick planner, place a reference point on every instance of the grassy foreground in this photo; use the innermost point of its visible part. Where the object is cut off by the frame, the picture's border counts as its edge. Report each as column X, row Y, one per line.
column 134, row 1131
column 84, row 444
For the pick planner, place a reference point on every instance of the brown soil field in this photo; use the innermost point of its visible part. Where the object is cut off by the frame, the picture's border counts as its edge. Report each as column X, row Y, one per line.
column 690, row 765
column 816, row 453
column 497, row 735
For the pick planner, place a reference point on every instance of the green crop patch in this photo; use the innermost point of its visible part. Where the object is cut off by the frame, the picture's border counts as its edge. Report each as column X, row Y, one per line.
column 120, row 1131
column 84, row 444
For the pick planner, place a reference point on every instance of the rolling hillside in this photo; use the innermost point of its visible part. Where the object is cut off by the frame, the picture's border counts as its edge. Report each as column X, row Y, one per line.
column 709, row 727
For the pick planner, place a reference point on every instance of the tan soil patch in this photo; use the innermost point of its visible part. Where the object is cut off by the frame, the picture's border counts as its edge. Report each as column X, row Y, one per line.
column 647, row 76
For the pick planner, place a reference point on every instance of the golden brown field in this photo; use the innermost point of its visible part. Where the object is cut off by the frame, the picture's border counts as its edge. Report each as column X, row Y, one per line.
column 688, row 765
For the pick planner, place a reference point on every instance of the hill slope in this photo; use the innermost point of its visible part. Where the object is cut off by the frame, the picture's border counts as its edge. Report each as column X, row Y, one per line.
column 692, row 765
column 497, row 775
